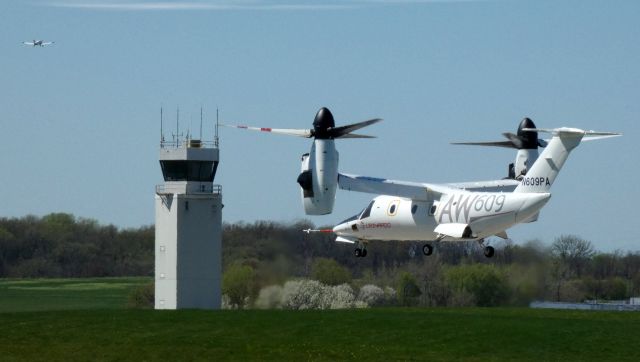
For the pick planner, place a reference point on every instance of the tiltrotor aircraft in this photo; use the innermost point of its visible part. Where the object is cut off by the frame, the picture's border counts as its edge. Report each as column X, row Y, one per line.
column 414, row 211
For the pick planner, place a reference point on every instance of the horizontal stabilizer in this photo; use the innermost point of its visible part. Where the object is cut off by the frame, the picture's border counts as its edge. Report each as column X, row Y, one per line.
column 586, row 134
column 533, row 218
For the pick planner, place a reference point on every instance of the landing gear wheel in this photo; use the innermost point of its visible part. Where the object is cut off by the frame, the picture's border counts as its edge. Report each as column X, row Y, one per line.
column 358, row 253
column 363, row 252
column 427, row 249
column 489, row 251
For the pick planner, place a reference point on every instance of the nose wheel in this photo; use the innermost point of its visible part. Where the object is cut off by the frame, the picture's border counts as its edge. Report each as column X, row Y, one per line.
column 427, row 249
column 360, row 251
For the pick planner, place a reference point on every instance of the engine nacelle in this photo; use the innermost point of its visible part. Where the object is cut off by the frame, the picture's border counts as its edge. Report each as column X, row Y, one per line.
column 524, row 159
column 319, row 177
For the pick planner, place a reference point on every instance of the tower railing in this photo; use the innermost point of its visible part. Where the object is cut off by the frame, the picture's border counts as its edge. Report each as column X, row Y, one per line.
column 184, row 143
column 177, row 189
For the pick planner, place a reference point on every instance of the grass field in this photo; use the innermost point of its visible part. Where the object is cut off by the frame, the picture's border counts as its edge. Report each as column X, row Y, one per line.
column 20, row 295
column 472, row 334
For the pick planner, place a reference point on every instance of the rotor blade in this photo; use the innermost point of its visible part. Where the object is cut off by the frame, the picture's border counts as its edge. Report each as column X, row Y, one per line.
column 353, row 135
column 507, row 144
column 515, row 139
column 307, row 133
column 338, row 132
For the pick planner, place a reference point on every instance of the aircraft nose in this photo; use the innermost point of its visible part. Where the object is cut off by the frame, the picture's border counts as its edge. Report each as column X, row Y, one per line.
column 345, row 228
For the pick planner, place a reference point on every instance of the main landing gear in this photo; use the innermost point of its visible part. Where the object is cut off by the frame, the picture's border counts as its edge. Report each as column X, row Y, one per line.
column 427, row 249
column 489, row 251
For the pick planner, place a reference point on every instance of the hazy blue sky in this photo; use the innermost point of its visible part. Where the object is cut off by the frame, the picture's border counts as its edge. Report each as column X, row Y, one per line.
column 80, row 119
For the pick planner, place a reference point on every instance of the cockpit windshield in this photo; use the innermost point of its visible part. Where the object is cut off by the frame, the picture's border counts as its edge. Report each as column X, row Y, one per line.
column 361, row 215
column 352, row 218
column 367, row 212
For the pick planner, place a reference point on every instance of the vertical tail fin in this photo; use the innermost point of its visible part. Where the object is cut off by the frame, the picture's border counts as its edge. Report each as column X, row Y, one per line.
column 544, row 171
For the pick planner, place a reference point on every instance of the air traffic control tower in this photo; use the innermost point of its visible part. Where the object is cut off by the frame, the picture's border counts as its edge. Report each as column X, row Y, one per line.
column 188, row 261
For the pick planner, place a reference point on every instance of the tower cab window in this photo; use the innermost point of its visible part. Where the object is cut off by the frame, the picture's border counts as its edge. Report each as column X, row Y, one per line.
column 181, row 170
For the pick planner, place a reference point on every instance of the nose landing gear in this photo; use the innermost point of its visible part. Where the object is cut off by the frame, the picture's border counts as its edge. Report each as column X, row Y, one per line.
column 361, row 251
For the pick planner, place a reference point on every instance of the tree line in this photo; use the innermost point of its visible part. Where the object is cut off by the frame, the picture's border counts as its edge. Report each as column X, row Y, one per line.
column 266, row 254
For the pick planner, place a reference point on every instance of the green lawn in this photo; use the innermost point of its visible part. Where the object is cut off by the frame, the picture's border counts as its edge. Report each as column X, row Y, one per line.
column 17, row 295
column 113, row 333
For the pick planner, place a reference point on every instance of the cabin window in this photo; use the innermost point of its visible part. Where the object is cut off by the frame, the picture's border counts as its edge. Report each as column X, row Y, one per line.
column 393, row 208
column 432, row 210
column 414, row 208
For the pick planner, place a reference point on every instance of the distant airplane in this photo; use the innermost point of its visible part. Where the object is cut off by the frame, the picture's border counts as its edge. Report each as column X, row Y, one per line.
column 39, row 43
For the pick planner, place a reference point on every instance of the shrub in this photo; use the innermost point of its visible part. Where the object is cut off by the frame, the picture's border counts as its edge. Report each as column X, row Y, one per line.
column 389, row 296
column 238, row 284
column 488, row 285
column 270, row 297
column 407, row 290
column 372, row 295
column 142, row 297
column 311, row 294
column 329, row 272
column 302, row 294
column 339, row 296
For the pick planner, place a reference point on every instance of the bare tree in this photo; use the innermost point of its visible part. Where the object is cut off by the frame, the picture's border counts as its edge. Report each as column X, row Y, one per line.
column 573, row 251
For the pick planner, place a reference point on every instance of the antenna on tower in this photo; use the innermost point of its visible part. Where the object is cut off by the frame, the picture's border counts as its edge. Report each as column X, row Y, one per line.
column 161, row 130
column 177, row 125
column 215, row 138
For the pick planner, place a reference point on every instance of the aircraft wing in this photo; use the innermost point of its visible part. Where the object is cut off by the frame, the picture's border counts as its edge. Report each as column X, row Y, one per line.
column 505, row 185
column 380, row 186
column 27, row 43
column 418, row 190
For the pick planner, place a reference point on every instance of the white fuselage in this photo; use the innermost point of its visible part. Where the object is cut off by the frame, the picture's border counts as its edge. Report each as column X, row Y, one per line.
column 480, row 214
